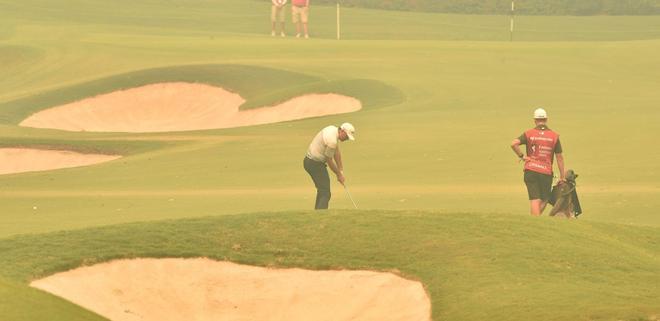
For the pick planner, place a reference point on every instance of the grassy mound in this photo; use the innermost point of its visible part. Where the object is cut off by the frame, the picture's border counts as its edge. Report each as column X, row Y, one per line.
column 475, row 266
column 258, row 85
column 370, row 92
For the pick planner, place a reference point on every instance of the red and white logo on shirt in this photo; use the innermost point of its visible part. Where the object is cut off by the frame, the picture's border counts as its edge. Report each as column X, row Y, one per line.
column 541, row 150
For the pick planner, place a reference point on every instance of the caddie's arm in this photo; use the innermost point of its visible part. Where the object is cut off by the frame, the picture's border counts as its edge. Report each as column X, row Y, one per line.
column 560, row 164
column 333, row 167
column 515, row 146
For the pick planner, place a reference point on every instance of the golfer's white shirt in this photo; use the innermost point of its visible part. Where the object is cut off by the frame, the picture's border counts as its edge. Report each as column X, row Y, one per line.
column 324, row 144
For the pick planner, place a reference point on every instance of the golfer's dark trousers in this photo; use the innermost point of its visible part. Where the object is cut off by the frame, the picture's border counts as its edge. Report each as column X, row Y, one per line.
column 319, row 173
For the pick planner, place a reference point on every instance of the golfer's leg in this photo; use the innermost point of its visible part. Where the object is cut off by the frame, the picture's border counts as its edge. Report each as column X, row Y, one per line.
column 312, row 169
column 323, row 190
column 319, row 174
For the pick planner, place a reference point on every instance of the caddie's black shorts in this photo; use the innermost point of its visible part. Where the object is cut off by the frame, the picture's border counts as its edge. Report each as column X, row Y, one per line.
column 539, row 186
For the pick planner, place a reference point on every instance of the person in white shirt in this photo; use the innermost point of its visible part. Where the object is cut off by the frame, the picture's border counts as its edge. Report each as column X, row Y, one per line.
column 324, row 151
column 277, row 15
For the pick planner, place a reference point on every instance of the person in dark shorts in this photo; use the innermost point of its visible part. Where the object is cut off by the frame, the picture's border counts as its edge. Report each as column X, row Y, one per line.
column 543, row 146
column 324, row 151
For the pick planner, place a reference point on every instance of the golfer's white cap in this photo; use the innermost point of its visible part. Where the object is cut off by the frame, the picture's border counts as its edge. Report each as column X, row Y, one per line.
column 349, row 129
column 540, row 113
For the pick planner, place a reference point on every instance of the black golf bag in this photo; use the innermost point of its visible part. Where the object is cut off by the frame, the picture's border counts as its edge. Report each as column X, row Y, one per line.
column 564, row 198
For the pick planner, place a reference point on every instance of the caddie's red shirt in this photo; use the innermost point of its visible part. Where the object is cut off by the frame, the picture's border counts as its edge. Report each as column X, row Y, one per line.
column 542, row 144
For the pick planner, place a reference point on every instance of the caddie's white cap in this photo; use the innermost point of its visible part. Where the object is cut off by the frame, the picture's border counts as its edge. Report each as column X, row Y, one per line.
column 349, row 129
column 540, row 113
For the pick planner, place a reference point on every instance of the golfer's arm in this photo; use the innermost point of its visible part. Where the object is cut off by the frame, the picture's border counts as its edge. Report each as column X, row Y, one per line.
column 333, row 166
column 338, row 162
column 560, row 164
column 515, row 146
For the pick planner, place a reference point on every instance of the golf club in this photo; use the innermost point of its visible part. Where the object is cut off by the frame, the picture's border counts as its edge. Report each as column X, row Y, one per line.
column 349, row 195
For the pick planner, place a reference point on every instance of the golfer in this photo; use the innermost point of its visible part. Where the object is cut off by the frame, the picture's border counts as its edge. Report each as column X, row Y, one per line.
column 543, row 146
column 323, row 152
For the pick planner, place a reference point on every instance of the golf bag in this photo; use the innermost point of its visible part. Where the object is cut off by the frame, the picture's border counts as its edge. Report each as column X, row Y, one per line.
column 564, row 198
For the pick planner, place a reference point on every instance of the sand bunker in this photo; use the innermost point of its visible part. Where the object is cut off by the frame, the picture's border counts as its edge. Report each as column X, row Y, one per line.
column 19, row 160
column 202, row 289
column 178, row 107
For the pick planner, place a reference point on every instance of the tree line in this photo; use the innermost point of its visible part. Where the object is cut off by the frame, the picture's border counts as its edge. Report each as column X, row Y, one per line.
column 523, row 7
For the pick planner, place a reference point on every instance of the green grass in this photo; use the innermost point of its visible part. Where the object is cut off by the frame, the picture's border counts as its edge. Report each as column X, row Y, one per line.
column 445, row 97
column 474, row 266
column 21, row 303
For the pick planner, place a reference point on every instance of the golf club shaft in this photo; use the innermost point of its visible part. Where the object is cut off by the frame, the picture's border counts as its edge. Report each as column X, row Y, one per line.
column 349, row 196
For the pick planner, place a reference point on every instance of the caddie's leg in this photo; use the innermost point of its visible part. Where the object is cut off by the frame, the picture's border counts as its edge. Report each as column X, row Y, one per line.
column 539, row 188
column 535, row 207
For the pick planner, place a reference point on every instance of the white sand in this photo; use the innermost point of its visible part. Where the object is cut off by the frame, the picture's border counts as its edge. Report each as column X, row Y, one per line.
column 179, row 107
column 19, row 160
column 202, row 289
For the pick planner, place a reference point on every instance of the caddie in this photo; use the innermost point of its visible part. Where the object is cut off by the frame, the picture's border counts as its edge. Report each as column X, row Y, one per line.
column 324, row 152
column 543, row 146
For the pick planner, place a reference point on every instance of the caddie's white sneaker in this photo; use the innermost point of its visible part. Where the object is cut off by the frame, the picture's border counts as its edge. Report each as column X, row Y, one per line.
column 272, row 33
column 283, row 35
column 298, row 36
column 306, row 36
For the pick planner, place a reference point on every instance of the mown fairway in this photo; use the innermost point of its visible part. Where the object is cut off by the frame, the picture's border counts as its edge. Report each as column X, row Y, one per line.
column 442, row 194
